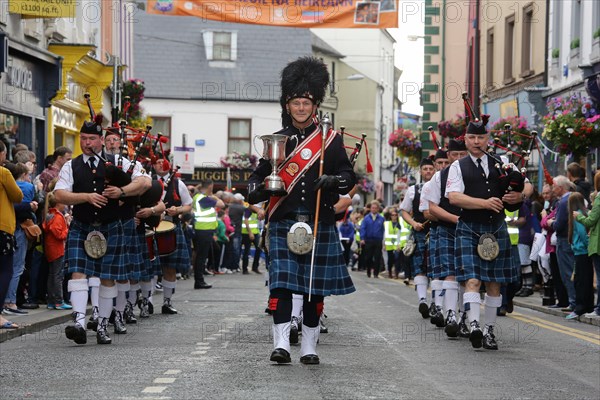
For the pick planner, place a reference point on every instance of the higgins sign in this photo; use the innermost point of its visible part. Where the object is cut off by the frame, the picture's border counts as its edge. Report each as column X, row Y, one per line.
column 239, row 177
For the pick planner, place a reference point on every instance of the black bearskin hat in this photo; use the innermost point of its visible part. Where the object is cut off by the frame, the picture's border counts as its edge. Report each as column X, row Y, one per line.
column 307, row 77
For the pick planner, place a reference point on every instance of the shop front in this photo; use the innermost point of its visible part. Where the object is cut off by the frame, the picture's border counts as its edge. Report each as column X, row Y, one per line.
column 81, row 73
column 237, row 179
column 29, row 78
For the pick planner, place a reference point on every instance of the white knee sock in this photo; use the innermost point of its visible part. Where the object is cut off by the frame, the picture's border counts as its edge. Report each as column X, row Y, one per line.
column 297, row 301
column 107, row 294
column 421, row 285
column 146, row 289
column 473, row 299
column 168, row 289
column 436, row 291
column 94, row 284
column 451, row 295
column 122, row 289
column 79, row 298
column 132, row 295
column 491, row 305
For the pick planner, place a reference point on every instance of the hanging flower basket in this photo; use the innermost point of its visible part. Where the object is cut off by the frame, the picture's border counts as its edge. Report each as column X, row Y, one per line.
column 519, row 141
column 405, row 142
column 453, row 128
column 237, row 160
column 365, row 184
column 572, row 125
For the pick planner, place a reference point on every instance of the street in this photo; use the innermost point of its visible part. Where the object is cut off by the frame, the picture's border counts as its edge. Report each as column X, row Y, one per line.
column 378, row 347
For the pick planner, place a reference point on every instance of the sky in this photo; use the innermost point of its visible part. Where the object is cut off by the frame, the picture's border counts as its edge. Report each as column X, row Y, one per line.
column 409, row 54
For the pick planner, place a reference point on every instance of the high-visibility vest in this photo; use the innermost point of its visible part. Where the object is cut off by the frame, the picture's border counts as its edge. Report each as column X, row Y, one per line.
column 357, row 231
column 404, row 232
column 252, row 223
column 205, row 218
column 513, row 231
column 391, row 235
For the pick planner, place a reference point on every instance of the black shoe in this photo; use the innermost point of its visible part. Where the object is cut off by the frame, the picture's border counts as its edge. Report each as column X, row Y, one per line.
column 129, row 315
column 280, row 356
column 476, row 335
column 29, row 306
column 451, row 328
column 144, row 313
column 202, row 285
column 463, row 330
column 102, row 332
column 76, row 332
column 424, row 310
column 322, row 327
column 256, row 271
column 268, row 311
column 120, row 328
column 111, row 319
column 207, row 273
column 310, row 359
column 501, row 311
column 525, row 292
column 167, row 308
column 93, row 321
column 245, row 272
column 294, row 331
column 432, row 309
column 489, row 340
column 438, row 318
column 150, row 307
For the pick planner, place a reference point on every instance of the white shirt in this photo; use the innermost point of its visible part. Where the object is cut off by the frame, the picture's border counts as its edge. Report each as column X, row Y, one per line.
column 423, row 202
column 65, row 176
column 406, row 204
column 434, row 189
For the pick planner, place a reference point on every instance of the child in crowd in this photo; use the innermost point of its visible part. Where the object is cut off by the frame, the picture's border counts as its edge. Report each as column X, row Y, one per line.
column 55, row 227
column 584, row 270
column 23, row 178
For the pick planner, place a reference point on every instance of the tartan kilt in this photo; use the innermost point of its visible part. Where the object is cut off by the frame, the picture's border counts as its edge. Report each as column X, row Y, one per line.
column 291, row 271
column 148, row 266
column 468, row 263
column 180, row 258
column 418, row 260
column 109, row 266
column 444, row 253
column 133, row 249
column 432, row 254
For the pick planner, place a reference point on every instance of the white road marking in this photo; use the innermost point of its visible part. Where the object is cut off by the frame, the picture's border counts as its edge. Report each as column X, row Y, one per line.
column 154, row 389
column 202, row 344
column 172, row 372
column 164, row 380
column 198, row 352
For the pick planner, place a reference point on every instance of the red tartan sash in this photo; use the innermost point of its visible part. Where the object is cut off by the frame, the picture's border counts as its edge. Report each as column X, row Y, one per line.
column 296, row 165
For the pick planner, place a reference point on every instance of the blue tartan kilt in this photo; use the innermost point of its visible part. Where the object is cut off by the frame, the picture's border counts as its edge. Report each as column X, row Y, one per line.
column 147, row 268
column 109, row 266
column 133, row 249
column 180, row 258
column 432, row 256
column 418, row 261
column 291, row 271
column 468, row 263
column 444, row 253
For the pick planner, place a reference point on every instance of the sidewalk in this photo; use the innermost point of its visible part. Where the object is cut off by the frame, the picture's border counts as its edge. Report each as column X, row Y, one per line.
column 534, row 302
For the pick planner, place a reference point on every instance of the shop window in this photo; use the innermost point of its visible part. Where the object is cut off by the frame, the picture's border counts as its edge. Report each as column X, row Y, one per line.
column 527, row 43
column 238, row 136
column 509, row 40
column 489, row 73
column 162, row 125
column 9, row 130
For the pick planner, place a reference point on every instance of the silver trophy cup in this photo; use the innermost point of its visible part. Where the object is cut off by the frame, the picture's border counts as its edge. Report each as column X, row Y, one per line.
column 274, row 151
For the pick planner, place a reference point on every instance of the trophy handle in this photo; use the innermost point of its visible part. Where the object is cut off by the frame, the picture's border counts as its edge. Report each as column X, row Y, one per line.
column 254, row 145
column 296, row 141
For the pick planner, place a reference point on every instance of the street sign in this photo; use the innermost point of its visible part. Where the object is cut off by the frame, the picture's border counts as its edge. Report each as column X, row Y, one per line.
column 200, row 142
column 184, row 157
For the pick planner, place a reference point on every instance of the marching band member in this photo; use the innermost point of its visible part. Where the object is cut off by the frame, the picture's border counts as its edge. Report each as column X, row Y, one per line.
column 447, row 216
column 483, row 248
column 303, row 86
column 95, row 241
column 416, row 219
column 178, row 201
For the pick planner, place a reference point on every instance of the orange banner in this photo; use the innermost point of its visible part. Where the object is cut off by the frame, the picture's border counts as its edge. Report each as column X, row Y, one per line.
column 290, row 13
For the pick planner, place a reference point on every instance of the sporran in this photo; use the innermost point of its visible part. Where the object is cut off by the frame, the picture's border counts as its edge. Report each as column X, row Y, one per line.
column 409, row 246
column 300, row 238
column 95, row 245
column 488, row 247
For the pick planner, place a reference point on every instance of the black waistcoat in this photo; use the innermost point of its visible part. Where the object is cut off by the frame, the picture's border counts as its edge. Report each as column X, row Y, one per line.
column 84, row 181
column 444, row 202
column 417, row 215
column 476, row 185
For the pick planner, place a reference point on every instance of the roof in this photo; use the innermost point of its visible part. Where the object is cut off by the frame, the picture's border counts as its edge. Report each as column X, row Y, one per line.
column 170, row 57
column 324, row 47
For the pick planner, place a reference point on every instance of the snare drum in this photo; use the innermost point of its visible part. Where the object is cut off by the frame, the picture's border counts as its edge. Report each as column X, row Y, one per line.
column 166, row 238
column 150, row 243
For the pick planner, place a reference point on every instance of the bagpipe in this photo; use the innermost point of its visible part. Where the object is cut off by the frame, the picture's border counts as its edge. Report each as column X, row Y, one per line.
column 512, row 174
column 358, row 146
column 137, row 146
